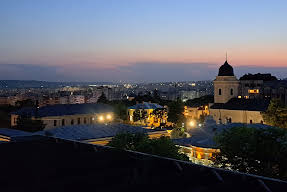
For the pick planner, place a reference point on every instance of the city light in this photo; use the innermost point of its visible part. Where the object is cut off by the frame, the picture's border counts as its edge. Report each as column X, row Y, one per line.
column 192, row 123
column 101, row 118
column 109, row 117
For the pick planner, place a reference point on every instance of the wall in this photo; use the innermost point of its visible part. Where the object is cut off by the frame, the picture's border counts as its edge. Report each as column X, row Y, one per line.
column 237, row 116
column 225, row 83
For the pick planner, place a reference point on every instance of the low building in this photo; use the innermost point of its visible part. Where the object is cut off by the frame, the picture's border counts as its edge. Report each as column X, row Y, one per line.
column 147, row 114
column 67, row 114
column 195, row 112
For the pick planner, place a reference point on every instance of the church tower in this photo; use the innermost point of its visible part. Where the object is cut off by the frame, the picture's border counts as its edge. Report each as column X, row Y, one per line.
column 226, row 85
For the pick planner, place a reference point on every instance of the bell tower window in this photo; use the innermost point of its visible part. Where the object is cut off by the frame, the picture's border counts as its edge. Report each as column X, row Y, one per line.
column 231, row 91
column 219, row 91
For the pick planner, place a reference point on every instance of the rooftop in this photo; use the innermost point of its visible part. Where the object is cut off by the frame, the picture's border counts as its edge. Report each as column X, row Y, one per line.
column 65, row 109
column 50, row 164
column 226, row 70
column 258, row 76
column 243, row 104
column 146, row 105
column 95, row 131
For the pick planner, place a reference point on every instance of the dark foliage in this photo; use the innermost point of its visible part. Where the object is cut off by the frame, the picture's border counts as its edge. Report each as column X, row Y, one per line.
column 261, row 151
column 162, row 146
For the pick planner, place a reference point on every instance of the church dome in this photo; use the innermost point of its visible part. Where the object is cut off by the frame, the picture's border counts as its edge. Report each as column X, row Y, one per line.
column 226, row 70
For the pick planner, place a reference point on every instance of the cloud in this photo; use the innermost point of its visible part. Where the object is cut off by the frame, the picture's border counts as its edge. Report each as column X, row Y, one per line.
column 139, row 72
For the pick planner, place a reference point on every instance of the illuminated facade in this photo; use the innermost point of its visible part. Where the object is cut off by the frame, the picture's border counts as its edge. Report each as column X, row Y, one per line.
column 147, row 114
column 195, row 112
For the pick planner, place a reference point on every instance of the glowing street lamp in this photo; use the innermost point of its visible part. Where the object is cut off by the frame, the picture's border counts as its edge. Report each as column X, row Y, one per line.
column 109, row 117
column 101, row 118
column 192, row 123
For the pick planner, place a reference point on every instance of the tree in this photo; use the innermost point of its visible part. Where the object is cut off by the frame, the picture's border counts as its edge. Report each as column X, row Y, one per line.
column 25, row 103
column 276, row 114
column 139, row 115
column 175, row 112
column 25, row 123
column 177, row 133
column 261, row 151
column 121, row 110
column 103, row 98
column 162, row 146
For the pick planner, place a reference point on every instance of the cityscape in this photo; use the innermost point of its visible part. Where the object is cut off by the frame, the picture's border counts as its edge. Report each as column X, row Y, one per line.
column 141, row 95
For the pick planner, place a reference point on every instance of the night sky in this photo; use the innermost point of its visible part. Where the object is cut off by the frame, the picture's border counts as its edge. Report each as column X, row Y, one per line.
column 140, row 40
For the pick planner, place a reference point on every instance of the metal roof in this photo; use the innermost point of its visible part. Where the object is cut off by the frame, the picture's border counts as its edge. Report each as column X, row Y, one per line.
column 243, row 104
column 65, row 109
column 94, row 131
column 146, row 105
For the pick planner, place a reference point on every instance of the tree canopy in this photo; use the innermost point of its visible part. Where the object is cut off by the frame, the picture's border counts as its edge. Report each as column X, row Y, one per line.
column 175, row 112
column 140, row 142
column 276, row 114
column 261, row 151
column 103, row 98
column 30, row 125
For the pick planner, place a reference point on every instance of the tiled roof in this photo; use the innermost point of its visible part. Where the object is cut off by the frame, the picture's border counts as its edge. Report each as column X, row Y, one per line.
column 243, row 104
column 146, row 105
column 66, row 109
column 94, row 131
column 48, row 164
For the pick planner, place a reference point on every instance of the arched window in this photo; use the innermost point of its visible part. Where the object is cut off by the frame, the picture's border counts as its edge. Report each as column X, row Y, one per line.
column 261, row 122
column 231, row 91
column 219, row 91
column 250, row 121
column 72, row 122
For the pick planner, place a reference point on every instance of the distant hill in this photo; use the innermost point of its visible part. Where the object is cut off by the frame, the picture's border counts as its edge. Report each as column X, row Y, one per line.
column 12, row 84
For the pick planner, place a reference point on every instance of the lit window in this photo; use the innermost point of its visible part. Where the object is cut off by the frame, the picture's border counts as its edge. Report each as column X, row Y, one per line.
column 253, row 91
column 239, row 97
column 246, row 97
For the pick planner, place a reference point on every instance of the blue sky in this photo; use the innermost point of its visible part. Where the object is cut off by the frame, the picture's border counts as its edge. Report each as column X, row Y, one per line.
column 93, row 40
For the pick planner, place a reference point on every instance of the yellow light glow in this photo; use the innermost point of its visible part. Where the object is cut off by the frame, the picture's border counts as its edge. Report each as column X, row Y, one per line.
column 101, row 118
column 191, row 123
column 109, row 117
column 239, row 97
column 253, row 91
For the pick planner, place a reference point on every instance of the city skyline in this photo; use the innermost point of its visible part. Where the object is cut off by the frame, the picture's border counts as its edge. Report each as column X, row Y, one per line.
column 140, row 40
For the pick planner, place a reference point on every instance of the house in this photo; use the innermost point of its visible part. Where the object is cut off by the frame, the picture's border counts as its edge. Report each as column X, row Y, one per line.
column 67, row 114
column 148, row 114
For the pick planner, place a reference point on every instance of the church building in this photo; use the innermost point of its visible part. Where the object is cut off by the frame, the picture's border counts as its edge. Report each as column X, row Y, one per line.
column 229, row 106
